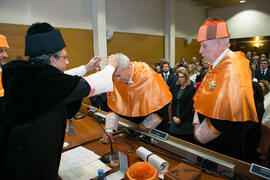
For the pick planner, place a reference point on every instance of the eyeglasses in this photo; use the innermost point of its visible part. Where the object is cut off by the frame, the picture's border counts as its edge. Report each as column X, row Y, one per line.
column 183, row 77
column 65, row 57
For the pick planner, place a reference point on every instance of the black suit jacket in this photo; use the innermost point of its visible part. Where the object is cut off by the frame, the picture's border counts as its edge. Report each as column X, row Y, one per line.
column 170, row 80
column 259, row 75
column 185, row 102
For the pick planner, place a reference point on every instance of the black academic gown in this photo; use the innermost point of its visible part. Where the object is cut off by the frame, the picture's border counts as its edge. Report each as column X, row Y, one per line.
column 38, row 99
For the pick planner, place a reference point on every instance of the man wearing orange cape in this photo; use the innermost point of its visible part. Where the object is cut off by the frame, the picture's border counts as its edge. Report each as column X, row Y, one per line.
column 139, row 95
column 225, row 115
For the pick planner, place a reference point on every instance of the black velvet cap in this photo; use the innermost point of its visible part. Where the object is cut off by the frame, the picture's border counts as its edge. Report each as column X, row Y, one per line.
column 43, row 43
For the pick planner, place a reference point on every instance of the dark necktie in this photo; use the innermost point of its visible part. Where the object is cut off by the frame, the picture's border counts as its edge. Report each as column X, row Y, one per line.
column 166, row 77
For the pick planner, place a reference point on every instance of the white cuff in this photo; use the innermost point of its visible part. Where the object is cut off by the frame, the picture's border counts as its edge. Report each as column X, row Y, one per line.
column 109, row 130
column 151, row 121
column 79, row 71
column 101, row 81
column 206, row 132
column 111, row 121
column 196, row 118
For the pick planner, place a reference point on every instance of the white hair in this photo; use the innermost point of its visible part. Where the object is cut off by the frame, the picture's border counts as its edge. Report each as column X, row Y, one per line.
column 123, row 61
column 226, row 41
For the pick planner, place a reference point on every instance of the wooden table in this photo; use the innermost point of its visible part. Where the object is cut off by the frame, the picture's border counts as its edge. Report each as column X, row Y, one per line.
column 88, row 134
column 86, row 130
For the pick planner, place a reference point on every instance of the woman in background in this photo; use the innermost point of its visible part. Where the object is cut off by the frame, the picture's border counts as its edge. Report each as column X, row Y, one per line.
column 182, row 107
column 253, row 68
column 264, row 146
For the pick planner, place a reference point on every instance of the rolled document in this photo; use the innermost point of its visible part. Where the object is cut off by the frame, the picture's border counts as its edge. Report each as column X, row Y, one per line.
column 160, row 164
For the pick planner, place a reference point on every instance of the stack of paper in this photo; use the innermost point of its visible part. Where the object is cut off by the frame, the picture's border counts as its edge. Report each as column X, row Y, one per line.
column 80, row 163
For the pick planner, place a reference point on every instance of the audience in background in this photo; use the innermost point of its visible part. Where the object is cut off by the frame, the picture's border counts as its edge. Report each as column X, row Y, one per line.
column 193, row 60
column 254, row 67
column 158, row 68
column 264, row 146
column 256, row 59
column 263, row 73
column 167, row 75
column 265, row 89
column 249, row 55
column 192, row 73
column 259, row 100
column 263, row 56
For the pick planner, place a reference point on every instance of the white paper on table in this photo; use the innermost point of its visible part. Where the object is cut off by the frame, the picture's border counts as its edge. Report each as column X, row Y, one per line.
column 116, row 175
column 76, row 158
column 160, row 164
column 85, row 172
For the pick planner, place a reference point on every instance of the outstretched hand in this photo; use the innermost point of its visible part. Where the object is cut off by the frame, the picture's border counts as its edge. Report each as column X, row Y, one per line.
column 93, row 64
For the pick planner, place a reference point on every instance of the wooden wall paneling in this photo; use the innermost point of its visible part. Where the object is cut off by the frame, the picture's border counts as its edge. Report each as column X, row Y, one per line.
column 79, row 43
column 182, row 49
column 138, row 47
column 15, row 35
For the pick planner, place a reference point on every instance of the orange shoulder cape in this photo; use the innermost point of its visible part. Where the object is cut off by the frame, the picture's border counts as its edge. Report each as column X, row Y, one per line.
column 148, row 94
column 226, row 92
column 1, row 86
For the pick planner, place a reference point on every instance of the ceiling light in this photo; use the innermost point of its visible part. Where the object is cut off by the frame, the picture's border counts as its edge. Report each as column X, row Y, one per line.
column 242, row 1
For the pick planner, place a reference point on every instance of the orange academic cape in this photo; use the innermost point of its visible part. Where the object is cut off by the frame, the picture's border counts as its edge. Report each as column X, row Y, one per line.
column 148, row 94
column 226, row 92
column 1, row 86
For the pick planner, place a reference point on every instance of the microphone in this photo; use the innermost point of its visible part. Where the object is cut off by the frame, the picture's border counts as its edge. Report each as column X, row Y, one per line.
column 107, row 158
column 112, row 156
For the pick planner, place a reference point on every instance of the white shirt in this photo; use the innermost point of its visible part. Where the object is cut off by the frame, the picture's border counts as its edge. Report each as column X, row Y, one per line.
column 264, row 71
column 168, row 73
column 221, row 56
column 79, row 71
column 130, row 79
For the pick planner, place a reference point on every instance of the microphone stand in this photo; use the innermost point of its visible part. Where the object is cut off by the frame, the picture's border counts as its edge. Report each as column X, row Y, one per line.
column 106, row 157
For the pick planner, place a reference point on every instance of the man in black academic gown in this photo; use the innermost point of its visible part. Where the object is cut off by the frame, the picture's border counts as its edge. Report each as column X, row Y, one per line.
column 38, row 99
